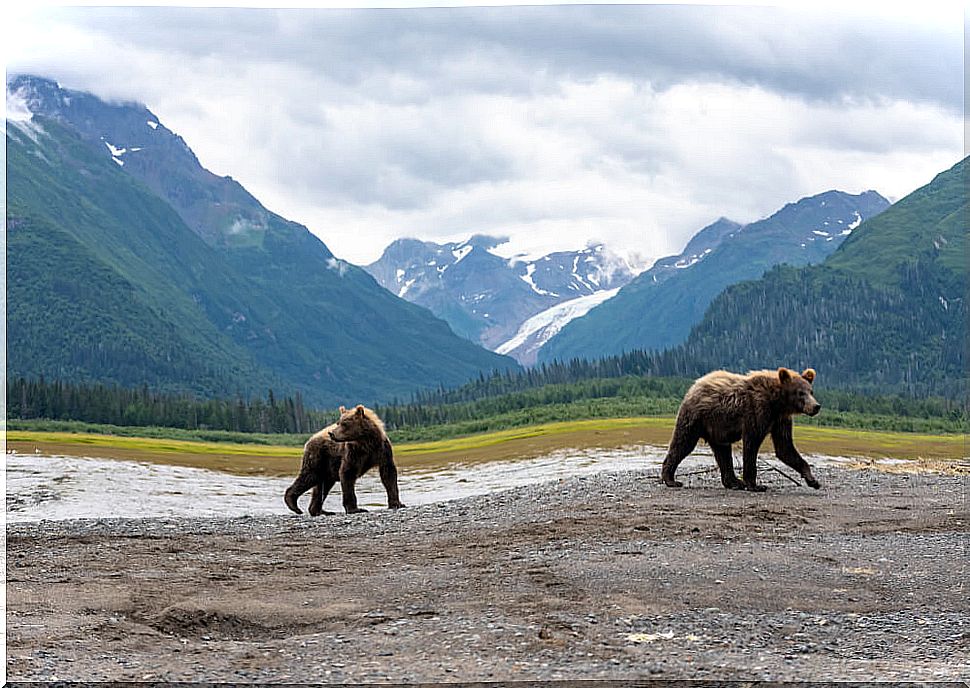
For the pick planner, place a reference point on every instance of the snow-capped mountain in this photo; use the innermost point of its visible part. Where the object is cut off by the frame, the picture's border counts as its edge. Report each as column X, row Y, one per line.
column 216, row 208
column 129, row 262
column 488, row 298
column 698, row 248
column 658, row 309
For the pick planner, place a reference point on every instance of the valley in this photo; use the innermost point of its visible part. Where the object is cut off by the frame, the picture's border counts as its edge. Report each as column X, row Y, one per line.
column 499, row 245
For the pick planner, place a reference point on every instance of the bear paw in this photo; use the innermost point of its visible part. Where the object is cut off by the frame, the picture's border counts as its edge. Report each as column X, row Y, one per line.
column 812, row 482
column 755, row 487
column 356, row 510
column 670, row 482
column 399, row 505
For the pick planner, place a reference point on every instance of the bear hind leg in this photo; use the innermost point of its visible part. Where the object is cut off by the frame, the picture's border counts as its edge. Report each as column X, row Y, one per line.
column 682, row 444
column 389, row 479
column 303, row 482
column 749, row 470
column 725, row 462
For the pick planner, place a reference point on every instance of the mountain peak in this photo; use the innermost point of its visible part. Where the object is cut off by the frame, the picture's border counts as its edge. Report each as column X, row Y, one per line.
column 218, row 209
column 170, row 274
column 486, row 297
column 48, row 98
column 672, row 295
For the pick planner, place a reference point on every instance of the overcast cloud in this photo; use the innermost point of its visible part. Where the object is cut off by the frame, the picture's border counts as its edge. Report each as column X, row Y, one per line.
column 555, row 125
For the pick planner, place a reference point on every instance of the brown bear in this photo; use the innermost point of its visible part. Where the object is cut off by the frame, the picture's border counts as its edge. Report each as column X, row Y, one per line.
column 345, row 451
column 723, row 407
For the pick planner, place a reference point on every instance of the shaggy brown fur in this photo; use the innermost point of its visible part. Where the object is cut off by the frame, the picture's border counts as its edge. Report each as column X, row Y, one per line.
column 345, row 451
column 722, row 408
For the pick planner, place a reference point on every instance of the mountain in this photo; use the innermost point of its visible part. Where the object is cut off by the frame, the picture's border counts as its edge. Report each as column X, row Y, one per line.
column 658, row 309
column 533, row 334
column 700, row 246
column 485, row 297
column 885, row 312
column 129, row 263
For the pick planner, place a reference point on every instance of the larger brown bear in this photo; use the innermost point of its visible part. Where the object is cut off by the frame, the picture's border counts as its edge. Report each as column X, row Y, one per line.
column 345, row 451
column 722, row 408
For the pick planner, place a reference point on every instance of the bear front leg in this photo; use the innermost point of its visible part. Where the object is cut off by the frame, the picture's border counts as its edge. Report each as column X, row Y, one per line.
column 348, row 478
column 781, row 437
column 725, row 462
column 749, row 469
column 388, row 473
column 681, row 444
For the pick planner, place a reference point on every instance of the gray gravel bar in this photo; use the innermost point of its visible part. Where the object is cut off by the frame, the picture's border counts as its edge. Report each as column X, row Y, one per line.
column 608, row 576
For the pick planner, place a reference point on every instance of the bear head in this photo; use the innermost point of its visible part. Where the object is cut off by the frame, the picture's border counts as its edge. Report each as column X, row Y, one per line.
column 356, row 424
column 796, row 391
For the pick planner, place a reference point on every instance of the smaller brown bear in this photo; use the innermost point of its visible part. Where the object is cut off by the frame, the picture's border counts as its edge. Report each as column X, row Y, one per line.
column 722, row 408
column 345, row 451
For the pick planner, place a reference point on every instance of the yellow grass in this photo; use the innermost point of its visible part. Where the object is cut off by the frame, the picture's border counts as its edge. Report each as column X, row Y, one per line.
column 929, row 451
column 220, row 456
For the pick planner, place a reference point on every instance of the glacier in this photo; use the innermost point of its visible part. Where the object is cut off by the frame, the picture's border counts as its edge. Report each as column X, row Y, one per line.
column 540, row 328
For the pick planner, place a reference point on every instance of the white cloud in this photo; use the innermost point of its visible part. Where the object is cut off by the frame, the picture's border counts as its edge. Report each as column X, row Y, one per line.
column 642, row 170
column 553, row 126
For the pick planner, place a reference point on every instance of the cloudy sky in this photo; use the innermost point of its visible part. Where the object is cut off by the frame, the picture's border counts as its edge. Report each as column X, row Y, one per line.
column 634, row 125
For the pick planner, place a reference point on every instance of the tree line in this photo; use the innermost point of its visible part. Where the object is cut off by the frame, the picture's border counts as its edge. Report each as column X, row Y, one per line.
column 501, row 395
column 113, row 405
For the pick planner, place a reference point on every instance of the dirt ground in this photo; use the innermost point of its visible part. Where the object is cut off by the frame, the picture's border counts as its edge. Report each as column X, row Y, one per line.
column 609, row 577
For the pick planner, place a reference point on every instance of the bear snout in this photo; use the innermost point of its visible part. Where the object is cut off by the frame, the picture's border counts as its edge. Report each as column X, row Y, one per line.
column 813, row 411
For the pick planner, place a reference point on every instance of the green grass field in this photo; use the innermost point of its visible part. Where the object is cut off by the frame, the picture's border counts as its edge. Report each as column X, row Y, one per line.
column 280, row 454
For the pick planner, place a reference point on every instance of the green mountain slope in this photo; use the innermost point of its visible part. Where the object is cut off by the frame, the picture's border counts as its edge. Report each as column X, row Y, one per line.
column 887, row 311
column 249, row 299
column 930, row 222
column 654, row 314
column 101, row 277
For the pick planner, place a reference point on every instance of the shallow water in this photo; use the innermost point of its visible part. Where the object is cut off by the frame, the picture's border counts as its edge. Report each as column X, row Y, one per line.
column 63, row 487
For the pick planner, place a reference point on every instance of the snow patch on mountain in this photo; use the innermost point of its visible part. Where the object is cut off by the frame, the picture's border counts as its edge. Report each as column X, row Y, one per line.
column 461, row 252
column 579, row 277
column 530, row 270
column 407, row 285
column 114, row 150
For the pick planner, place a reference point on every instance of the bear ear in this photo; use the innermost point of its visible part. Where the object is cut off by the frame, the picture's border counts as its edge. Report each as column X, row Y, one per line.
column 342, row 410
column 809, row 374
column 360, row 410
column 784, row 375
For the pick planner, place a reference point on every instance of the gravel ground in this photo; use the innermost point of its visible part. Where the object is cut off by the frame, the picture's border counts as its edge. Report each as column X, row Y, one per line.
column 611, row 576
